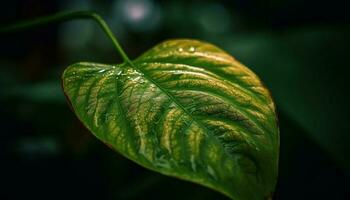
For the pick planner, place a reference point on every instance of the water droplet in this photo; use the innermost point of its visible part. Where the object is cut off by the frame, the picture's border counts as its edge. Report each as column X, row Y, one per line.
column 180, row 49
column 136, row 79
column 119, row 72
column 102, row 70
column 193, row 163
column 211, row 172
column 192, row 49
column 153, row 88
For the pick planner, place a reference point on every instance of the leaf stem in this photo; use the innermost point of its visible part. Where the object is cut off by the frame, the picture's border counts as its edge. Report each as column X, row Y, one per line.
column 67, row 16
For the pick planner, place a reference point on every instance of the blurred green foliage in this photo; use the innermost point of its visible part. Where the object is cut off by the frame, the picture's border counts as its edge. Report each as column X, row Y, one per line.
column 299, row 49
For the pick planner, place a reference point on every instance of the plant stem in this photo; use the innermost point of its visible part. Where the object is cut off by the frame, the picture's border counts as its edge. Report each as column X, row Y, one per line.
column 67, row 16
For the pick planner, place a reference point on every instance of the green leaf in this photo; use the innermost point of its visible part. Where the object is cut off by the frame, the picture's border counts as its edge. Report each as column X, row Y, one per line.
column 186, row 109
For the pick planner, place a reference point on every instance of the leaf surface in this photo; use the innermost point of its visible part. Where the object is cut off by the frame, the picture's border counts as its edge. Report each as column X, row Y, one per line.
column 186, row 109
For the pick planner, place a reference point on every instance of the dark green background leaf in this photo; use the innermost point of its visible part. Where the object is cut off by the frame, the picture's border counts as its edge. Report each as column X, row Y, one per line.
column 298, row 48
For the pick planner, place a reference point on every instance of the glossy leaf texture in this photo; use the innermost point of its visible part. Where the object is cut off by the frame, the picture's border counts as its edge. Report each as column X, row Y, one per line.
column 186, row 109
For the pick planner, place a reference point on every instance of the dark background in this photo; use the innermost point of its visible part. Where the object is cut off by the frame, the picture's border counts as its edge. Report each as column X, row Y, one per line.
column 299, row 48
